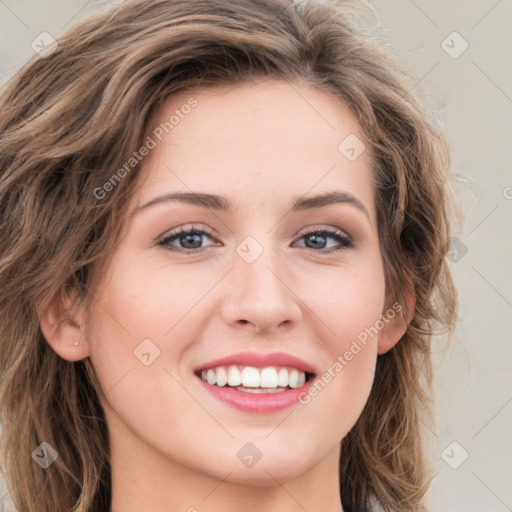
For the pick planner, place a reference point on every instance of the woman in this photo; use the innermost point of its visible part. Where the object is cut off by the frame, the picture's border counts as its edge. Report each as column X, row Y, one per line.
column 223, row 238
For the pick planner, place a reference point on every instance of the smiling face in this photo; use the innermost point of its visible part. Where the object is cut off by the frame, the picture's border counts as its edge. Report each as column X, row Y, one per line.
column 249, row 285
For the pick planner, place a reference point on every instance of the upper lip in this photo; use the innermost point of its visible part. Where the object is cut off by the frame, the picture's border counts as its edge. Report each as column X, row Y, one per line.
column 258, row 360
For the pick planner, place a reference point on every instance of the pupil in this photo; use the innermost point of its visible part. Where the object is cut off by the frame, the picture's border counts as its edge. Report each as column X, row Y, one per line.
column 189, row 238
column 317, row 239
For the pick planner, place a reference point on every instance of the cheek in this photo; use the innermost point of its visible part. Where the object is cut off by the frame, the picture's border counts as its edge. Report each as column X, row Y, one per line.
column 144, row 309
column 349, row 301
column 342, row 388
column 135, row 339
column 350, row 305
column 148, row 299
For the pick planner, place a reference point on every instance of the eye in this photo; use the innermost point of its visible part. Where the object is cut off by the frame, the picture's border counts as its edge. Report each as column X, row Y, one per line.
column 317, row 239
column 188, row 240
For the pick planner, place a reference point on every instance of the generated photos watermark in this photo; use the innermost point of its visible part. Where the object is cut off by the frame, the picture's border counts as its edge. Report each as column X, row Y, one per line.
column 343, row 360
column 150, row 143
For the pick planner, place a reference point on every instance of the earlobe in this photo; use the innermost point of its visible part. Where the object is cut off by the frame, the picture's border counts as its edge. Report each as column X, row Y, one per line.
column 396, row 321
column 64, row 335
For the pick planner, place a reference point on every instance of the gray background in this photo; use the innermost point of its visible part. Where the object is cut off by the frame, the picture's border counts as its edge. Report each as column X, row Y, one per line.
column 472, row 95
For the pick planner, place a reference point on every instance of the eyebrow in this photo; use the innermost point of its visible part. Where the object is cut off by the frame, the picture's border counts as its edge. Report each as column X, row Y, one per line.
column 219, row 203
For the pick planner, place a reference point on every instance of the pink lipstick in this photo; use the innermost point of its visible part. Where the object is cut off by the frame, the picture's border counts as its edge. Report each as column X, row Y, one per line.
column 254, row 382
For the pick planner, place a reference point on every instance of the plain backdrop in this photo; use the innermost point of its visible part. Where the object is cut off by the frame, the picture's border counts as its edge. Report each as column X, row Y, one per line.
column 461, row 52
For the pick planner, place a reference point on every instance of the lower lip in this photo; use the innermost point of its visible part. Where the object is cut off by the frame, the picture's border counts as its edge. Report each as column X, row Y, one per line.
column 257, row 402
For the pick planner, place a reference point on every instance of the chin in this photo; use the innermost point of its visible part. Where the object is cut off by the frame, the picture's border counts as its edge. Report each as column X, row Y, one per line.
column 266, row 475
column 262, row 463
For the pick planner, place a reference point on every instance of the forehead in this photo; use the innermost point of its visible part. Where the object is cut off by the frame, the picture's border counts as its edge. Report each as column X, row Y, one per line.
column 259, row 142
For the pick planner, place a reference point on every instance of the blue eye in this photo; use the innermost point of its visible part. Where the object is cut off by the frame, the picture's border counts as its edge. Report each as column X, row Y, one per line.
column 318, row 239
column 190, row 240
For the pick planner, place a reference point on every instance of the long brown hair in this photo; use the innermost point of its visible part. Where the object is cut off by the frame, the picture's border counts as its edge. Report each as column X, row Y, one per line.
column 69, row 120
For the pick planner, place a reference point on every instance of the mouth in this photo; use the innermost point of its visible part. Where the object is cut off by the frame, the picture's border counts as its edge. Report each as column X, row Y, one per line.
column 249, row 379
column 255, row 382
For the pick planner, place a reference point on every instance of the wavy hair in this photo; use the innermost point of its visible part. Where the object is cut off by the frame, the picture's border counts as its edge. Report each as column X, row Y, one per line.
column 67, row 121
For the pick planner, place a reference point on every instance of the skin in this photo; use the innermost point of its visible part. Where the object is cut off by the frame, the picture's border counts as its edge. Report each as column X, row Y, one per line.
column 260, row 145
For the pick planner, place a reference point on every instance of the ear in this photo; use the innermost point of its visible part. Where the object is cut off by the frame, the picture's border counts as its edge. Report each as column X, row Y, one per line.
column 396, row 319
column 64, row 335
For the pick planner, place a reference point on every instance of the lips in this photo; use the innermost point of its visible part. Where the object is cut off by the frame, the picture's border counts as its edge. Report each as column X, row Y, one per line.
column 260, row 361
column 256, row 382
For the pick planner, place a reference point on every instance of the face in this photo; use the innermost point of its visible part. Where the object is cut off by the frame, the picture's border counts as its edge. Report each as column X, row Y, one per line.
column 261, row 293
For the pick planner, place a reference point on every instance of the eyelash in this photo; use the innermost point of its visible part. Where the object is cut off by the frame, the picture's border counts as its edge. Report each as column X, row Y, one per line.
column 344, row 240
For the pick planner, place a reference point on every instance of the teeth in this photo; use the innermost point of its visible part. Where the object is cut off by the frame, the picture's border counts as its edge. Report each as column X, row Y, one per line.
column 222, row 377
column 294, row 378
column 251, row 377
column 255, row 380
column 261, row 390
column 282, row 377
column 211, row 377
column 269, row 378
column 234, row 376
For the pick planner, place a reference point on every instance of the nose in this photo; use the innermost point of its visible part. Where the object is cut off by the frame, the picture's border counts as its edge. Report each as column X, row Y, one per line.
column 260, row 297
